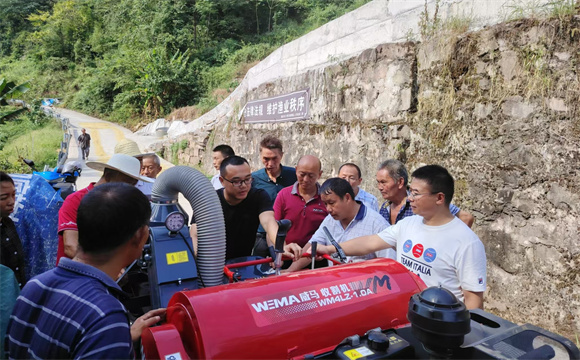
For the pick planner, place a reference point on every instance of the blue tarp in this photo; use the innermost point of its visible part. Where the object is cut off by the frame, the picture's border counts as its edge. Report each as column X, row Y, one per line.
column 48, row 102
column 36, row 218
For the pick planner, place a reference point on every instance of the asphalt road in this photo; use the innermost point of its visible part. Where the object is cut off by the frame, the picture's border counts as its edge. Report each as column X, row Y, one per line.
column 104, row 136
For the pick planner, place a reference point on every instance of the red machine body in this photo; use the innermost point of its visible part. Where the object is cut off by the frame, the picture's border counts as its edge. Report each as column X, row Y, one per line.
column 282, row 317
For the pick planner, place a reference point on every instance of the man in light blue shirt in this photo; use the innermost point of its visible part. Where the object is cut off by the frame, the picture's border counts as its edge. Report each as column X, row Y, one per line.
column 347, row 219
column 220, row 152
column 351, row 173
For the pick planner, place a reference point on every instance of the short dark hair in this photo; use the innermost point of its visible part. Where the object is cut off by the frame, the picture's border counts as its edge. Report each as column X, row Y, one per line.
column 396, row 170
column 5, row 177
column 232, row 160
column 438, row 178
column 111, row 176
column 271, row 142
column 109, row 216
column 226, row 150
column 354, row 166
column 338, row 186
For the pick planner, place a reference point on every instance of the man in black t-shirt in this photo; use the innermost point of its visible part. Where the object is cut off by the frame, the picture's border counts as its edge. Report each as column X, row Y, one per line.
column 244, row 209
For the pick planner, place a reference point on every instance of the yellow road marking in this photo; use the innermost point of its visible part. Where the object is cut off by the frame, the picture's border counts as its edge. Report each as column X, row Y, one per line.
column 93, row 130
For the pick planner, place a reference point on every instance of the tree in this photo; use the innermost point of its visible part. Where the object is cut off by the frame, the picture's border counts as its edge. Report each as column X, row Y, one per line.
column 14, row 19
column 70, row 22
column 166, row 81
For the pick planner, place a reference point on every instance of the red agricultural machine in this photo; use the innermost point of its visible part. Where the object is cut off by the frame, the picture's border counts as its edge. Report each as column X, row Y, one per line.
column 371, row 310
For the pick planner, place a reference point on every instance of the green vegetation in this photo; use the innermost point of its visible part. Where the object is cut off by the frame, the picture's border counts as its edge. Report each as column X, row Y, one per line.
column 176, row 148
column 32, row 136
column 536, row 9
column 8, row 91
column 126, row 59
column 431, row 26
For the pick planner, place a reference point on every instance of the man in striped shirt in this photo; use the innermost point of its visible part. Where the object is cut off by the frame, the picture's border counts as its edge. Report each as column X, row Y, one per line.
column 73, row 311
column 392, row 181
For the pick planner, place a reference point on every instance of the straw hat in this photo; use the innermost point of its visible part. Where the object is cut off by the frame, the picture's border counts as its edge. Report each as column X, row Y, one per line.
column 129, row 147
column 122, row 163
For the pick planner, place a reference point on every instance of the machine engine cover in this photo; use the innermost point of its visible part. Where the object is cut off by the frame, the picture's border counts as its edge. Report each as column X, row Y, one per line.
column 291, row 315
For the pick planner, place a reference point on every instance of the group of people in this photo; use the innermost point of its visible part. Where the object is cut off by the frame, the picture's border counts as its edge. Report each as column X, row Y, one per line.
column 73, row 311
column 437, row 244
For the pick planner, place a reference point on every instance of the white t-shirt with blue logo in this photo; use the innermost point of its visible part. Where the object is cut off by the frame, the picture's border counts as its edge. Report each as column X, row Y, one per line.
column 449, row 255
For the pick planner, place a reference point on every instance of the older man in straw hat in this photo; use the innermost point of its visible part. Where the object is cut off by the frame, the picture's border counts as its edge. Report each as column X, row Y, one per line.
column 120, row 168
column 150, row 163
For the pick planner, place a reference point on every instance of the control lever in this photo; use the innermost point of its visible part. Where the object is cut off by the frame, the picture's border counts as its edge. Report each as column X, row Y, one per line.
column 341, row 253
column 283, row 226
column 313, row 253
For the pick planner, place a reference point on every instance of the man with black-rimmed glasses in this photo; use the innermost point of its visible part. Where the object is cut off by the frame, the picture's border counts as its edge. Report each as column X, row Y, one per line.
column 244, row 209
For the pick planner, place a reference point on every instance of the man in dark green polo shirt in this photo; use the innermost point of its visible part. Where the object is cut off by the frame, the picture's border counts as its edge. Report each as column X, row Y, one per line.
column 272, row 178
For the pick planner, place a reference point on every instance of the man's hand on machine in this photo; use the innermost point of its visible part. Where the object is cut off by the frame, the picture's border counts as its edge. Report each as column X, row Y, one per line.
column 322, row 250
column 144, row 321
column 292, row 251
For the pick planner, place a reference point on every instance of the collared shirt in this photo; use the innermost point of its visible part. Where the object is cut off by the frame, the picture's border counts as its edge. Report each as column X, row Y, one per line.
column 70, row 312
column 406, row 210
column 369, row 200
column 261, row 180
column 286, row 178
column 215, row 181
column 366, row 222
column 67, row 217
column 11, row 252
column 306, row 216
column 145, row 187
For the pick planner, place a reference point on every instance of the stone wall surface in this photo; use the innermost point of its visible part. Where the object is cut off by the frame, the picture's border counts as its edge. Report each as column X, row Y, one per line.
column 499, row 107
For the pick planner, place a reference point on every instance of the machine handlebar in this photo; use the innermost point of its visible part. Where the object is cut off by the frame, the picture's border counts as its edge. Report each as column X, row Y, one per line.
column 269, row 260
column 283, row 227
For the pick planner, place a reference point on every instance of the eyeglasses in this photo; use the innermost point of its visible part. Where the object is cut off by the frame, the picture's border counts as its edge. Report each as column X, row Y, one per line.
column 417, row 195
column 238, row 183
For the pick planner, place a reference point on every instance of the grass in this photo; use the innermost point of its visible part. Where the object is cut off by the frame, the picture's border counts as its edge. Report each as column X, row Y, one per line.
column 520, row 9
column 431, row 26
column 537, row 80
column 40, row 145
column 176, row 148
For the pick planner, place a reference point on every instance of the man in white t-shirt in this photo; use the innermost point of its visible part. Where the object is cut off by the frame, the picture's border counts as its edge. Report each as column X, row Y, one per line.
column 433, row 244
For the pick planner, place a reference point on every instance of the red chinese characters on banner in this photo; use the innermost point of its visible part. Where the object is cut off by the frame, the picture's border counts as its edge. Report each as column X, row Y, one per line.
column 282, row 306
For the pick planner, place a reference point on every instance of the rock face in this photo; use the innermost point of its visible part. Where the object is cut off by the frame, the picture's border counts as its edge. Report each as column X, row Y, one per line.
column 500, row 108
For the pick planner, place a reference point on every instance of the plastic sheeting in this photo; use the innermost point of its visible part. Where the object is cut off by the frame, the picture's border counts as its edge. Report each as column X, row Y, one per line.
column 36, row 218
